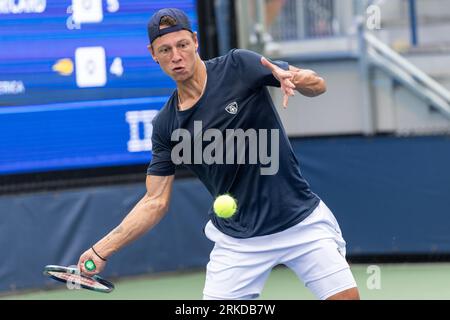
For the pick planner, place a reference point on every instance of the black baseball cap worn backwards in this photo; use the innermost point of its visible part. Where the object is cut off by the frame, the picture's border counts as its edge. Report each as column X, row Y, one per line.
column 180, row 17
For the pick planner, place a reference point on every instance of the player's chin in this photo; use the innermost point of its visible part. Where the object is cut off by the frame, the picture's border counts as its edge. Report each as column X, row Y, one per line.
column 180, row 77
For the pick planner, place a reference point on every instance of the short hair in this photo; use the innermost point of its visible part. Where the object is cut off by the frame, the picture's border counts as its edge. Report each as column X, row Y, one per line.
column 167, row 21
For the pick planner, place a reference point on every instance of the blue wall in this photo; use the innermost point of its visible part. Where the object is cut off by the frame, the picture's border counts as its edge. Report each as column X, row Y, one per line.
column 390, row 195
column 56, row 227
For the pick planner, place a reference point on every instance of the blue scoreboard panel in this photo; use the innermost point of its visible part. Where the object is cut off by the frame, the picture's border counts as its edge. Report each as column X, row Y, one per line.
column 78, row 87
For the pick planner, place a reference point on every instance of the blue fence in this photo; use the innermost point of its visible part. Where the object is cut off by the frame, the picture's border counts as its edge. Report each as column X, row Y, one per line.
column 390, row 195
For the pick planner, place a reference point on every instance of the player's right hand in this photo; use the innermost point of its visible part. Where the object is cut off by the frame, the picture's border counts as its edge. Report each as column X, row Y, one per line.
column 90, row 255
column 284, row 76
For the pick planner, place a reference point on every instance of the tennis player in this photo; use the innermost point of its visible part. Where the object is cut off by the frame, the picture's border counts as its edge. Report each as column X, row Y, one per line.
column 279, row 219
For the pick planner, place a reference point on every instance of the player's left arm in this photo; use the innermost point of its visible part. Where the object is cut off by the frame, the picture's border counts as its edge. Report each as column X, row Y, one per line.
column 307, row 82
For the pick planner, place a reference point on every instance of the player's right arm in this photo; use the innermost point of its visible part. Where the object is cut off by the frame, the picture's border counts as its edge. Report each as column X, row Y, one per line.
column 143, row 217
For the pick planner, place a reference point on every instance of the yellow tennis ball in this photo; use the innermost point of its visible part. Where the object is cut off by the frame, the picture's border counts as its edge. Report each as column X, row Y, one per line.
column 225, row 206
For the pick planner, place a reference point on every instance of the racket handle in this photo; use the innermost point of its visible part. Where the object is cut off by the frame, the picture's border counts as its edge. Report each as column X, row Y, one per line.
column 90, row 265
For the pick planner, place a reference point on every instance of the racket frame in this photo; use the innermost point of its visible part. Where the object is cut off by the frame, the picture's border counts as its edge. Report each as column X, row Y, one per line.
column 76, row 273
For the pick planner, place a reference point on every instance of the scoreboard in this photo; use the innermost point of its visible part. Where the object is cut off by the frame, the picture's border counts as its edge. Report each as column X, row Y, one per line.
column 78, row 87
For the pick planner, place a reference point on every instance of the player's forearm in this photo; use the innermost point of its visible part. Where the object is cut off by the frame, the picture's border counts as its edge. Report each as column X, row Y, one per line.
column 144, row 216
column 307, row 82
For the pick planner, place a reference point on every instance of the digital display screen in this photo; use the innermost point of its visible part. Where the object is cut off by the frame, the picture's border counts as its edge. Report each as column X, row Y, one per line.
column 78, row 86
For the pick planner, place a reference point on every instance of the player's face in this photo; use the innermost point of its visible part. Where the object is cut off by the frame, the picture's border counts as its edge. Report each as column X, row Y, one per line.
column 176, row 53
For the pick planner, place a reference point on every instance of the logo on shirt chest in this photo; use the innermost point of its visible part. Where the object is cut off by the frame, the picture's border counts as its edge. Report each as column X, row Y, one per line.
column 232, row 108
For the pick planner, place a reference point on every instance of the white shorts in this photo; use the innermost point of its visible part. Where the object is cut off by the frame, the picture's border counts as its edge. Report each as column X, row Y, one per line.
column 314, row 249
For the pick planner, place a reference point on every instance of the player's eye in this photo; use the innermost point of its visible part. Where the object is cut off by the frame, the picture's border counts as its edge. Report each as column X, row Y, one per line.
column 164, row 50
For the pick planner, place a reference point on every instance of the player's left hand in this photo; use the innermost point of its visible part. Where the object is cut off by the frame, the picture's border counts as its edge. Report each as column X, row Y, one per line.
column 285, row 78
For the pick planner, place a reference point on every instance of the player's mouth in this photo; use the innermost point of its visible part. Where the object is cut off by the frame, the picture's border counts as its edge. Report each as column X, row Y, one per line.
column 178, row 69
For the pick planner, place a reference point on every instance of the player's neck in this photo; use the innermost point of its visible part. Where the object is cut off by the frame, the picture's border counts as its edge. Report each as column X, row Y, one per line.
column 191, row 90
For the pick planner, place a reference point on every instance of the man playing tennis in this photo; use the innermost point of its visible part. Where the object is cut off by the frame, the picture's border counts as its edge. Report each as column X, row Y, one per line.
column 279, row 220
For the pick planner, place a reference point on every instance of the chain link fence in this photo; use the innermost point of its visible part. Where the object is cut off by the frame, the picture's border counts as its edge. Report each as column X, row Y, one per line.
column 305, row 19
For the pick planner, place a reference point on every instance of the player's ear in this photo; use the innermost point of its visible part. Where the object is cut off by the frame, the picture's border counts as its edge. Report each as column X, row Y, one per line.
column 152, row 52
column 195, row 38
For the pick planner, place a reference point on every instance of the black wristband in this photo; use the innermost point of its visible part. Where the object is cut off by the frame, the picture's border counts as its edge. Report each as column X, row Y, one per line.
column 97, row 254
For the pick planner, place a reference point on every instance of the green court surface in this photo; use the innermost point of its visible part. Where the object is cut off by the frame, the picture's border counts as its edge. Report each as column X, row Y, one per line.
column 393, row 281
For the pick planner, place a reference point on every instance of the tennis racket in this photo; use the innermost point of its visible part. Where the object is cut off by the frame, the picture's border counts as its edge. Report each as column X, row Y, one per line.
column 75, row 280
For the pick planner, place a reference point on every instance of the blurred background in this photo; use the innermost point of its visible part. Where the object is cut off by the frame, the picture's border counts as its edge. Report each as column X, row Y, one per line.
column 78, row 92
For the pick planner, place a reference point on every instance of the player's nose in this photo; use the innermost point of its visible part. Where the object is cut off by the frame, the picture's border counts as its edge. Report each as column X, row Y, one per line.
column 176, row 57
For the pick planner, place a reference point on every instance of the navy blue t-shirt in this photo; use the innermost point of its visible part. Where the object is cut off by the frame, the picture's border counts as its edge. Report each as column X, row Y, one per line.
column 236, row 98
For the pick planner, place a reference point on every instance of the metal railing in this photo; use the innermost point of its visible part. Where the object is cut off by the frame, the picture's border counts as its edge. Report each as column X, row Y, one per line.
column 305, row 19
column 385, row 58
column 297, row 20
